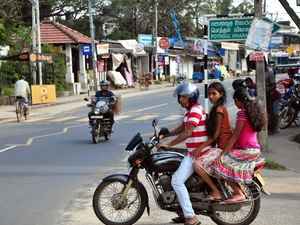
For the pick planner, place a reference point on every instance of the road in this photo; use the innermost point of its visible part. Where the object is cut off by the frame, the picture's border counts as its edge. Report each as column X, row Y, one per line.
column 50, row 166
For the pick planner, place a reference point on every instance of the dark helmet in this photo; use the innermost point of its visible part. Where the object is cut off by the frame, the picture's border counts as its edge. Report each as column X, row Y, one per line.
column 188, row 90
column 104, row 85
column 238, row 83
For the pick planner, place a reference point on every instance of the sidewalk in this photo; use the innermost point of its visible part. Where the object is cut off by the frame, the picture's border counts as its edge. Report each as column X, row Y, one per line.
column 281, row 147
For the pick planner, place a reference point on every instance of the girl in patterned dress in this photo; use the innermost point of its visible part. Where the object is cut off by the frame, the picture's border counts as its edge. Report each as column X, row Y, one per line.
column 219, row 131
column 237, row 161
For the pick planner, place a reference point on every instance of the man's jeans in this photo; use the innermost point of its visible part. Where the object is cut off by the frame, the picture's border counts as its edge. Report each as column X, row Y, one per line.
column 184, row 171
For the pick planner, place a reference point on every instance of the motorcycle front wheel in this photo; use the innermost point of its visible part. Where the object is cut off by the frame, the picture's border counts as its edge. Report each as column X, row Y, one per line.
column 95, row 133
column 110, row 209
column 286, row 118
column 246, row 213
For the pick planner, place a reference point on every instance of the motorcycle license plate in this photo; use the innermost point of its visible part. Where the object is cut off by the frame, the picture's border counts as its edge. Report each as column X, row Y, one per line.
column 96, row 117
column 260, row 179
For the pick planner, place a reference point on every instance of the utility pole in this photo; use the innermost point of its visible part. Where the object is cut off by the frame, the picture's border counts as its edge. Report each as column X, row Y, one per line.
column 94, row 57
column 39, row 39
column 291, row 12
column 155, row 38
column 34, row 48
column 260, row 82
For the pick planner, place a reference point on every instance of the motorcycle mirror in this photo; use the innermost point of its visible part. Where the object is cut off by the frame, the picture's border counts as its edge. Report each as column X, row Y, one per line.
column 85, row 99
column 154, row 123
column 164, row 131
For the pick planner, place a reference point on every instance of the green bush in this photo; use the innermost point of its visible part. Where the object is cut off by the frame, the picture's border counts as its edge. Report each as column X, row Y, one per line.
column 7, row 91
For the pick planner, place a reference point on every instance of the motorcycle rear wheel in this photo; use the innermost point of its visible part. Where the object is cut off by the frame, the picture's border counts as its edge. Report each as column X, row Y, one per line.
column 110, row 210
column 247, row 212
column 285, row 119
column 95, row 133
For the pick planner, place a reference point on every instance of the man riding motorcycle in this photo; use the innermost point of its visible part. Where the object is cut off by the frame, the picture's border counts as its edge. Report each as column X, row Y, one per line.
column 107, row 96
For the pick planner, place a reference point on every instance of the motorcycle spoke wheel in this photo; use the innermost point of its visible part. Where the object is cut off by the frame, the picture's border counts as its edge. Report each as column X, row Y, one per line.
column 285, row 119
column 109, row 208
column 95, row 133
column 247, row 211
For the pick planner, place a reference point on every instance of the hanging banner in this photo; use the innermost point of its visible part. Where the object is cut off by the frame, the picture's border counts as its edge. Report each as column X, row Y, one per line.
column 259, row 35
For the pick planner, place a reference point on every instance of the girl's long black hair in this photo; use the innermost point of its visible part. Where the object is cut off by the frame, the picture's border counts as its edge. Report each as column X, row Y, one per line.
column 211, row 122
column 256, row 114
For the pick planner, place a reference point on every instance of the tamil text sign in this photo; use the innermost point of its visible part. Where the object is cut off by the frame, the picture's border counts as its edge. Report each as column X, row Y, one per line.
column 232, row 29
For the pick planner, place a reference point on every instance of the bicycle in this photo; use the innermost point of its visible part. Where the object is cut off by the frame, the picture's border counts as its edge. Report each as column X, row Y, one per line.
column 20, row 109
column 143, row 82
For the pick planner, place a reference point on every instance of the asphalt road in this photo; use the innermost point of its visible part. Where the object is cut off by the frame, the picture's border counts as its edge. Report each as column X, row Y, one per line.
column 49, row 174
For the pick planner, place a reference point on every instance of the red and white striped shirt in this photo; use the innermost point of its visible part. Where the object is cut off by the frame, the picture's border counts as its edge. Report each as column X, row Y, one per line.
column 196, row 115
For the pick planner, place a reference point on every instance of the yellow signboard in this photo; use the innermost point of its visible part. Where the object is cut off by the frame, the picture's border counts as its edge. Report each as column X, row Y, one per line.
column 43, row 94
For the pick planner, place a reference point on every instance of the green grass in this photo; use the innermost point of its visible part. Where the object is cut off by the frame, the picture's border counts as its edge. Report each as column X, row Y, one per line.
column 271, row 165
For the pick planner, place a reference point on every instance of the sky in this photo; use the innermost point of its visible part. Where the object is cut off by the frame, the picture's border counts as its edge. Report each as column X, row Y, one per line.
column 274, row 7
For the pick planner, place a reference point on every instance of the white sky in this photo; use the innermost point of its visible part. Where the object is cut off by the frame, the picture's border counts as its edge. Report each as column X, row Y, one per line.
column 274, row 6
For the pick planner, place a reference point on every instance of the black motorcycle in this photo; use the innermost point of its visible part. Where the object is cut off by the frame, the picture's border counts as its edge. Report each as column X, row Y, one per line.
column 120, row 199
column 179, row 79
column 289, row 108
column 101, row 125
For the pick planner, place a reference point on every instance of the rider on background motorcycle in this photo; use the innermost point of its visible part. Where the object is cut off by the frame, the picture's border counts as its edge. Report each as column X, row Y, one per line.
column 193, row 132
column 107, row 96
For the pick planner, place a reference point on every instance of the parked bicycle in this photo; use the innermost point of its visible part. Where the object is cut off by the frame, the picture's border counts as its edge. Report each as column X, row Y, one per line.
column 21, row 109
column 142, row 81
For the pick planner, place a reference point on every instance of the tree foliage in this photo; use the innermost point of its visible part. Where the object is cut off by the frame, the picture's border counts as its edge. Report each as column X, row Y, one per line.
column 129, row 17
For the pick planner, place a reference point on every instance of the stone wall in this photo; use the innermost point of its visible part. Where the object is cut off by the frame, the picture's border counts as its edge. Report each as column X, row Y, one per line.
column 7, row 100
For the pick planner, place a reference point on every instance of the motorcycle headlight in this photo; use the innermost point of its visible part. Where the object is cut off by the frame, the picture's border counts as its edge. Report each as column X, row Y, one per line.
column 97, row 111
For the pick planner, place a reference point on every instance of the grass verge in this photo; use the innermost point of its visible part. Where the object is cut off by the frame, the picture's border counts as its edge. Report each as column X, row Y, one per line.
column 271, row 165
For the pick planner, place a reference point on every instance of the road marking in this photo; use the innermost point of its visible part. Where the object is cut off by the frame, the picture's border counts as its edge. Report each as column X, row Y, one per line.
column 120, row 117
column 152, row 107
column 35, row 119
column 174, row 117
column 86, row 119
column 30, row 140
column 145, row 117
column 3, row 150
column 63, row 119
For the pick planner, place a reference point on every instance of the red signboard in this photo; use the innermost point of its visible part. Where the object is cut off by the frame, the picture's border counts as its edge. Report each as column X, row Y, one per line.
column 164, row 43
column 256, row 56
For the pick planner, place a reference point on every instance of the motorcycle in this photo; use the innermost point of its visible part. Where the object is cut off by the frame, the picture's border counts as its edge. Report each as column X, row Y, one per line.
column 289, row 107
column 179, row 79
column 101, row 125
column 120, row 199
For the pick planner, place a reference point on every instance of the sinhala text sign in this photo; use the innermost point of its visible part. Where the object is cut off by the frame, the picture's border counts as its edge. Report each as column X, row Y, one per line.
column 232, row 29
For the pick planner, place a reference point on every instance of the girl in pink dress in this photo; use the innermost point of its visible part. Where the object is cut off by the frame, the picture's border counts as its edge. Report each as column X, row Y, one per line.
column 237, row 161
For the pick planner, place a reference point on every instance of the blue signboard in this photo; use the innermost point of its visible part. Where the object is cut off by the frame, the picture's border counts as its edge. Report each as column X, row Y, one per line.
column 145, row 39
column 86, row 49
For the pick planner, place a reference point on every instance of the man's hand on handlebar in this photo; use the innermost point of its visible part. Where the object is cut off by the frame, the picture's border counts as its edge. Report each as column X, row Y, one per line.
column 162, row 147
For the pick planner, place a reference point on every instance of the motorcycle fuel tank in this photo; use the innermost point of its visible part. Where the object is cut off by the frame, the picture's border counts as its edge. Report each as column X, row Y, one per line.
column 165, row 161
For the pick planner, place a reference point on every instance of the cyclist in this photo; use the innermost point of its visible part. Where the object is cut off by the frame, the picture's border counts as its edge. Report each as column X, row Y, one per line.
column 21, row 90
